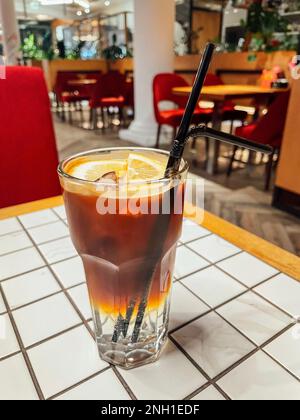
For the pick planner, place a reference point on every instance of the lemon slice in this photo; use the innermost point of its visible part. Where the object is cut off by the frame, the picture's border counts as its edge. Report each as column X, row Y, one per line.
column 93, row 170
column 144, row 168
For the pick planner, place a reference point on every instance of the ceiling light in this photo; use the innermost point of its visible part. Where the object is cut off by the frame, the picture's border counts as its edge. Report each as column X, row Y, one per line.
column 79, row 13
column 107, row 3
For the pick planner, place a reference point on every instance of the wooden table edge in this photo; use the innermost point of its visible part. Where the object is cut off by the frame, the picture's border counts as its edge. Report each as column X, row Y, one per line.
column 280, row 259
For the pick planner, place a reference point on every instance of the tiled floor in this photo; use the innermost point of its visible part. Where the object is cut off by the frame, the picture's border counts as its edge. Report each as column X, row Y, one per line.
column 234, row 329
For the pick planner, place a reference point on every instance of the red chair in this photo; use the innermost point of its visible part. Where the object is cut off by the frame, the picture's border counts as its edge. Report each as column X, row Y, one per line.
column 28, row 148
column 66, row 94
column 229, row 112
column 267, row 130
column 163, row 86
column 109, row 92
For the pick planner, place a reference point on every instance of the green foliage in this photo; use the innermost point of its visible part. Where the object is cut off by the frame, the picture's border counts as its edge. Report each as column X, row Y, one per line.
column 31, row 50
column 262, row 25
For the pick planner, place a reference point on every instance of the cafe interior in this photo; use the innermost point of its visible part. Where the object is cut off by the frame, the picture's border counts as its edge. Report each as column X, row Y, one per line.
column 92, row 74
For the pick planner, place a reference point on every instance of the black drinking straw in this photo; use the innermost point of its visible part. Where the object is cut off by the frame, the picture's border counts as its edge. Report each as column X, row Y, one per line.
column 161, row 229
column 181, row 138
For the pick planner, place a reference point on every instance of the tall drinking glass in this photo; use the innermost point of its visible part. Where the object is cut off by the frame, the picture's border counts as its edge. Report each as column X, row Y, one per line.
column 125, row 220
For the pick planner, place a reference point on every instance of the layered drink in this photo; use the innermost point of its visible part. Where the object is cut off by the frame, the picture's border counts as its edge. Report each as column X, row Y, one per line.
column 125, row 219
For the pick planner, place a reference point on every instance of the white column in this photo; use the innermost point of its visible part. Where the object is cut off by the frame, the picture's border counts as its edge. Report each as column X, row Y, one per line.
column 153, row 54
column 11, row 36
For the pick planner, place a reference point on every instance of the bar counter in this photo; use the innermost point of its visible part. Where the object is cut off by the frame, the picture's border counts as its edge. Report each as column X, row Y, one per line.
column 234, row 333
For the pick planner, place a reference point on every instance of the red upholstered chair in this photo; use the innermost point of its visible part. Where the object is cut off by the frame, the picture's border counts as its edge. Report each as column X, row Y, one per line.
column 229, row 112
column 28, row 149
column 163, row 86
column 66, row 94
column 109, row 92
column 267, row 130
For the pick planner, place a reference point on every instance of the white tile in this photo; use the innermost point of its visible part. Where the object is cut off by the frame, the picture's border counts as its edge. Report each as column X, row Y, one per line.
column 58, row 250
column 9, row 226
column 286, row 350
column 214, row 248
column 187, row 262
column 260, row 378
column 65, row 360
column 284, row 292
column 43, row 319
column 2, row 306
column 191, row 231
column 81, row 298
column 70, row 272
column 20, row 262
column 14, row 242
column 184, row 306
column 29, row 287
column 49, row 232
column 105, row 386
column 255, row 317
column 15, row 380
column 209, row 394
column 213, row 286
column 8, row 341
column 60, row 211
column 172, row 377
column 248, row 269
column 38, row 218
column 213, row 343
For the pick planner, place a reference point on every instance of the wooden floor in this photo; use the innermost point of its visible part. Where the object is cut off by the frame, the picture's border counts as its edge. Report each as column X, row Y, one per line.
column 240, row 200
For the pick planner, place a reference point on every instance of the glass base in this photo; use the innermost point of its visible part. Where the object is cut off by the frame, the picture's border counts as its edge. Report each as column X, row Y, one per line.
column 128, row 356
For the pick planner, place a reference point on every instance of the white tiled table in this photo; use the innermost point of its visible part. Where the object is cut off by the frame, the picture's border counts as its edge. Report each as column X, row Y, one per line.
column 235, row 331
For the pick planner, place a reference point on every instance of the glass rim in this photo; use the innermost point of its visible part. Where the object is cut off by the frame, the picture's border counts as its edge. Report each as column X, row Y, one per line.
column 67, row 176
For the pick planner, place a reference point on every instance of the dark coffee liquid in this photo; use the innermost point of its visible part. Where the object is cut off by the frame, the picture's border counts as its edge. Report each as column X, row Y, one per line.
column 121, row 251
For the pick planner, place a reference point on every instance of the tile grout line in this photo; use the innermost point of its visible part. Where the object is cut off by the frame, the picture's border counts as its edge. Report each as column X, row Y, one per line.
column 25, row 305
column 219, row 261
column 51, row 241
column 23, row 273
column 17, row 250
column 83, row 381
column 11, row 233
column 22, row 348
column 280, row 364
column 8, row 356
column 124, row 383
column 53, row 336
column 196, row 239
column 209, row 311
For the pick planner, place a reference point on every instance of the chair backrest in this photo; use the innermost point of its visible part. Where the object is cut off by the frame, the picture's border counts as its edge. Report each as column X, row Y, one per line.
column 28, row 148
column 213, row 80
column 163, row 85
column 63, row 77
column 129, row 93
column 269, row 129
column 110, row 85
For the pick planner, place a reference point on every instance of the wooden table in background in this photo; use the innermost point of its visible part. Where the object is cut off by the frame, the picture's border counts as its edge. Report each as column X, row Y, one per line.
column 82, row 82
column 220, row 94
